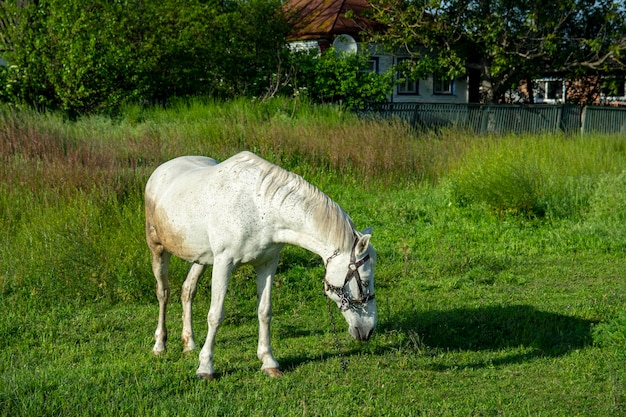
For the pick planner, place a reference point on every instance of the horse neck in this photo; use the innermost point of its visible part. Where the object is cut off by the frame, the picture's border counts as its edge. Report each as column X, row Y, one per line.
column 296, row 230
column 309, row 241
column 304, row 216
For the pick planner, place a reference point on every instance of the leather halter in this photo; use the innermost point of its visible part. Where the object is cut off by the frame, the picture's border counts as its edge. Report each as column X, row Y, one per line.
column 353, row 272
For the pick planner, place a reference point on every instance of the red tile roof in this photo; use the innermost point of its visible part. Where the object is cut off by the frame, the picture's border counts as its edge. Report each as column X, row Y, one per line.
column 323, row 19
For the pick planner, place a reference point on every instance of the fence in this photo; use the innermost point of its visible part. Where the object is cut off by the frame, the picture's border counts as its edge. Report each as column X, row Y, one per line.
column 606, row 120
column 496, row 118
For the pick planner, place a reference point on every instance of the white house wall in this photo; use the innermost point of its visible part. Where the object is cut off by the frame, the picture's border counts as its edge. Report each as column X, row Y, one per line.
column 426, row 92
column 304, row 46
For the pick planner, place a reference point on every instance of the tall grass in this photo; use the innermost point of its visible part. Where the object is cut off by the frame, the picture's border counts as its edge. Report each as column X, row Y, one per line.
column 295, row 134
column 94, row 150
column 71, row 192
column 83, row 179
column 537, row 175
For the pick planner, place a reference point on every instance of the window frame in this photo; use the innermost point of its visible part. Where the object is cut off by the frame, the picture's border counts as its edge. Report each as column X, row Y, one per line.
column 403, row 89
column 438, row 84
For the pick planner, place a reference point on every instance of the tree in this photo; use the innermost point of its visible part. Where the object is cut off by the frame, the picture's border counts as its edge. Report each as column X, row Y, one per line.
column 84, row 56
column 506, row 41
column 335, row 77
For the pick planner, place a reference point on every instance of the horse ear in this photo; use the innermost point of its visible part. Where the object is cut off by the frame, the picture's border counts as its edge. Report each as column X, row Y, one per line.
column 364, row 241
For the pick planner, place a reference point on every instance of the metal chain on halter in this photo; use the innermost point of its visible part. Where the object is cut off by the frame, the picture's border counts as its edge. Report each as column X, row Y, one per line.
column 344, row 362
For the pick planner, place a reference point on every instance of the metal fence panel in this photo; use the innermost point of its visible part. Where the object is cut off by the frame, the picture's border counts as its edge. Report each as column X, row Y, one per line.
column 483, row 118
column 604, row 120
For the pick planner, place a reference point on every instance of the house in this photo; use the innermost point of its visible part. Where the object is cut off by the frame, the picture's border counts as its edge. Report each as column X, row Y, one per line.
column 318, row 24
column 549, row 91
column 589, row 90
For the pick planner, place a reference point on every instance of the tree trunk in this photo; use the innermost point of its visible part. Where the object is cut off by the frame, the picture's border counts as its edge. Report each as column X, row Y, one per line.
column 530, row 90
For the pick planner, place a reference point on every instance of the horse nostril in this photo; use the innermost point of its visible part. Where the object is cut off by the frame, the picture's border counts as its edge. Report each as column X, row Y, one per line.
column 361, row 334
column 365, row 336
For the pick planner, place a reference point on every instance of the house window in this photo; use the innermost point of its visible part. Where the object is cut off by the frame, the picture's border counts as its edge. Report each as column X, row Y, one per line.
column 371, row 65
column 443, row 85
column 548, row 91
column 554, row 90
column 406, row 85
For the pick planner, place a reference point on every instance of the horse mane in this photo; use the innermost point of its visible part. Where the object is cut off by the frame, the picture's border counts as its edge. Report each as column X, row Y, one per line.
column 278, row 184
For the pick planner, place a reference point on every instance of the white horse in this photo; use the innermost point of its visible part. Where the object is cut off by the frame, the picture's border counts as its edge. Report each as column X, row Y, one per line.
column 243, row 211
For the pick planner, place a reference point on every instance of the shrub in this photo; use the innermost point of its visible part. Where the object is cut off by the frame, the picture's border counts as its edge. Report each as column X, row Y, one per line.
column 539, row 176
column 334, row 77
column 95, row 56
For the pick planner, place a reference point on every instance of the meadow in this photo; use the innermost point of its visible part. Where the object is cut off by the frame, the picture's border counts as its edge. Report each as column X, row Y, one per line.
column 500, row 279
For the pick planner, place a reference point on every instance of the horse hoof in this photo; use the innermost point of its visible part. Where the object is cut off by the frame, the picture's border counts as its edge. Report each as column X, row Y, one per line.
column 205, row 376
column 273, row 372
column 188, row 344
column 158, row 352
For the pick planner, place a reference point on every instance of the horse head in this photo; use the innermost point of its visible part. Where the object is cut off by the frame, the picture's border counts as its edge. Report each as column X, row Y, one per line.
column 349, row 282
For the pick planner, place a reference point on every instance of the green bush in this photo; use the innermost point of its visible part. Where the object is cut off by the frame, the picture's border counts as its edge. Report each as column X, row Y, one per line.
column 540, row 176
column 95, row 56
column 334, row 77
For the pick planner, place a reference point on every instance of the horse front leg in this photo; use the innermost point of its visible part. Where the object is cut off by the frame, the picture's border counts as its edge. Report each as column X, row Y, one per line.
column 186, row 297
column 265, row 278
column 160, row 264
column 219, row 284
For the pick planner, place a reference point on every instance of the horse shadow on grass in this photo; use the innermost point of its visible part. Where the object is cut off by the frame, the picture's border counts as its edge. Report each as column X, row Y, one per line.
column 527, row 333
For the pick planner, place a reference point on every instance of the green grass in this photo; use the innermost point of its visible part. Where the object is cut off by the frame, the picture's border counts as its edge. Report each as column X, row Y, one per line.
column 484, row 309
column 537, row 175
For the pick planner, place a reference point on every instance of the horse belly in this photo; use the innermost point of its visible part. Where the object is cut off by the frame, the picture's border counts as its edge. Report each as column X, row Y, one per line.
column 183, row 237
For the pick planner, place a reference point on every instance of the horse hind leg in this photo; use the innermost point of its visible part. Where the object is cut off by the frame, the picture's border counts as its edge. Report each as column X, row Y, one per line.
column 160, row 264
column 186, row 297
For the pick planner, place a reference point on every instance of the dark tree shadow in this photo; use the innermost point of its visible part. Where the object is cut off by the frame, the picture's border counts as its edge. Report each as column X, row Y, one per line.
column 493, row 328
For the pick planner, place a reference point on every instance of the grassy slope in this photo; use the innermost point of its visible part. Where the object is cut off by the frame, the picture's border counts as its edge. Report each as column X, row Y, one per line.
column 481, row 311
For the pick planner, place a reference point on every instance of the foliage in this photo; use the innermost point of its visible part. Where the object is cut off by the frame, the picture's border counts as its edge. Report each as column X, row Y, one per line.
column 335, row 77
column 85, row 56
column 506, row 41
column 91, row 56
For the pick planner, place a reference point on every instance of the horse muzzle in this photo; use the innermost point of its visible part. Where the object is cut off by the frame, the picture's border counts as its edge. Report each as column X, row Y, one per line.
column 361, row 334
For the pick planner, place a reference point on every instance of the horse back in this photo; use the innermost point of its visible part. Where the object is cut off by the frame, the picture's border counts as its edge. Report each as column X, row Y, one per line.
column 197, row 208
